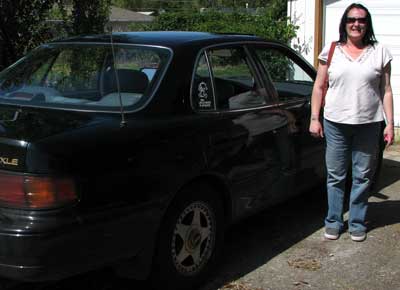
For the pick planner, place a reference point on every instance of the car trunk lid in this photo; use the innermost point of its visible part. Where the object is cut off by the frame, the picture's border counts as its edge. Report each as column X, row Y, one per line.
column 21, row 127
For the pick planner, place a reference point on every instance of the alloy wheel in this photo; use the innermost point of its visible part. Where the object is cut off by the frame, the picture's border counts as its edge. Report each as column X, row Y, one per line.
column 193, row 238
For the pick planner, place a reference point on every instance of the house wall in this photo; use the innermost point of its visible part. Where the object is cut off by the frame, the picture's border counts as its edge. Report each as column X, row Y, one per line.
column 302, row 14
column 386, row 21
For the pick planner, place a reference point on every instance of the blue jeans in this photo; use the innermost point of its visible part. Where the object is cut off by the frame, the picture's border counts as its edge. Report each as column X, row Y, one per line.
column 358, row 145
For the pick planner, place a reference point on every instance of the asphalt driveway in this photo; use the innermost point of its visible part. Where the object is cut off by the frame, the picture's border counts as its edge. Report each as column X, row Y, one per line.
column 284, row 248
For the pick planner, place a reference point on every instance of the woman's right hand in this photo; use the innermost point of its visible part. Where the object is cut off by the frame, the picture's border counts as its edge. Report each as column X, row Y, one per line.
column 316, row 129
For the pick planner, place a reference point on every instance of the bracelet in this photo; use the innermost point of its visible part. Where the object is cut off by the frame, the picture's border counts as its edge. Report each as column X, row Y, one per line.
column 314, row 118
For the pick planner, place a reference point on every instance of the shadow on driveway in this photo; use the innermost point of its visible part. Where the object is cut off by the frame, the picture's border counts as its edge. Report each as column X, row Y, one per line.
column 253, row 242
column 385, row 212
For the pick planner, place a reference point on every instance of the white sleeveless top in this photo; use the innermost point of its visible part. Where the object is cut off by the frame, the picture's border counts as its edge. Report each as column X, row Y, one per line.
column 355, row 95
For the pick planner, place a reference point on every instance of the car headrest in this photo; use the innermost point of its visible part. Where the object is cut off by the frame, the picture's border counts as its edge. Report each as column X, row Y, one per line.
column 130, row 81
column 224, row 91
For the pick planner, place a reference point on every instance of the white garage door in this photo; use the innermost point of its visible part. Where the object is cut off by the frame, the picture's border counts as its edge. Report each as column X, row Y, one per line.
column 386, row 21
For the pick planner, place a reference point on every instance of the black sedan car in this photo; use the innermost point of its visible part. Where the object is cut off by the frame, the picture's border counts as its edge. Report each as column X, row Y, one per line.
column 137, row 150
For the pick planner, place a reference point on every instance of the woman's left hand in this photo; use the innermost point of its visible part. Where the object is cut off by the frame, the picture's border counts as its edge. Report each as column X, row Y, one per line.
column 388, row 134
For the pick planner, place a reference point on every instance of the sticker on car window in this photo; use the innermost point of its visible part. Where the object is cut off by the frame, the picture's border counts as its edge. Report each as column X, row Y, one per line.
column 202, row 93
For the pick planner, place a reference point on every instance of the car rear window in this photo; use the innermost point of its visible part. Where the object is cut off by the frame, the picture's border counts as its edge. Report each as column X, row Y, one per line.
column 85, row 76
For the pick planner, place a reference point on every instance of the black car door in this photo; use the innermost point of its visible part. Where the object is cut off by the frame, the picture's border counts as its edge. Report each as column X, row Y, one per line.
column 249, row 144
column 293, row 79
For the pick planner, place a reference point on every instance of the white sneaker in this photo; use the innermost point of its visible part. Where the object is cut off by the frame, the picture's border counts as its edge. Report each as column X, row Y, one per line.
column 358, row 236
column 331, row 233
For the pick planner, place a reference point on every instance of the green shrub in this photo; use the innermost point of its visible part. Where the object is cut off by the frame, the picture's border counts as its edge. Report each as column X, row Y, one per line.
column 263, row 24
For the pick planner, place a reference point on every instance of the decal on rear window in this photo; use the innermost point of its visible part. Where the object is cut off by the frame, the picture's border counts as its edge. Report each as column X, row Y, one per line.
column 204, row 102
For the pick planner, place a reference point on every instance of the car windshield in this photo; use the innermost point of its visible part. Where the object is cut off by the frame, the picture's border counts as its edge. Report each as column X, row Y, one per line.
column 85, row 76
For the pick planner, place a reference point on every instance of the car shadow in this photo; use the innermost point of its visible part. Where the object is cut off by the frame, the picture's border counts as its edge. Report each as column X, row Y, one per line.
column 383, row 211
column 255, row 240
column 388, row 175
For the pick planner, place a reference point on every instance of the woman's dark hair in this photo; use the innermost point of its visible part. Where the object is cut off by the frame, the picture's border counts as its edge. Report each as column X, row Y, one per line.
column 369, row 37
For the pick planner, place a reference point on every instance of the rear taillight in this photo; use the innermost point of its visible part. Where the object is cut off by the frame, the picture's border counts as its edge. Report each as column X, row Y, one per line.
column 35, row 192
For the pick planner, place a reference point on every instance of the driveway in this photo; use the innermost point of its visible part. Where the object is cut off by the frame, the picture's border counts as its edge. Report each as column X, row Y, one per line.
column 284, row 249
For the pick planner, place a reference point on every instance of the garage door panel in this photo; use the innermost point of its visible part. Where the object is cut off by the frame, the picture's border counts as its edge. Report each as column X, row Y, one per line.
column 396, row 60
column 390, row 41
column 383, row 24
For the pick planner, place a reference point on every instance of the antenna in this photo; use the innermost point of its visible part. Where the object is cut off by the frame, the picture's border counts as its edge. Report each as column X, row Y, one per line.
column 123, row 122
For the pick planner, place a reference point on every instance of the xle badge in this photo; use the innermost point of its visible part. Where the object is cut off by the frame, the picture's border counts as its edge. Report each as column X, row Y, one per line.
column 9, row 161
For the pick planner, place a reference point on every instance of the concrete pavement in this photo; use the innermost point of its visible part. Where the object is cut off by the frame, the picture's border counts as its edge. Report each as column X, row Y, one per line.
column 285, row 249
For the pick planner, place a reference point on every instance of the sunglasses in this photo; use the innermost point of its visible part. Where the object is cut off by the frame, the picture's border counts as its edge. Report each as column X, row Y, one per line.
column 362, row 20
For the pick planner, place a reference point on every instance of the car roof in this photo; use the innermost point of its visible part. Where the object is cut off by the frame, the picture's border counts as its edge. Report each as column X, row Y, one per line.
column 165, row 38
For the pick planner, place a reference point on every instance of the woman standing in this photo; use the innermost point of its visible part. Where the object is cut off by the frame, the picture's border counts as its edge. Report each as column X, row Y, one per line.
column 359, row 98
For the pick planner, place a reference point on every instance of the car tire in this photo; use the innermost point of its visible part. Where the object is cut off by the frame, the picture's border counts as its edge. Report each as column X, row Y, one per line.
column 190, row 239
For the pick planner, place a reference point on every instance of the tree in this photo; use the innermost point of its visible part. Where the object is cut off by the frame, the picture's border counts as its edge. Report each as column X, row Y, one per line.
column 187, row 5
column 23, row 23
column 84, row 16
column 22, row 27
column 267, row 23
column 130, row 4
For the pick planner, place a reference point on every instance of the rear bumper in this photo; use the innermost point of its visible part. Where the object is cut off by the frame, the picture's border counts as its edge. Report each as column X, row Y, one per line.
column 45, row 249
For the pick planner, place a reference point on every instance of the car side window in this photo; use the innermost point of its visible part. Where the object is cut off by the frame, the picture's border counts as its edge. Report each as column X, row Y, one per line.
column 202, row 92
column 234, row 81
column 290, row 80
